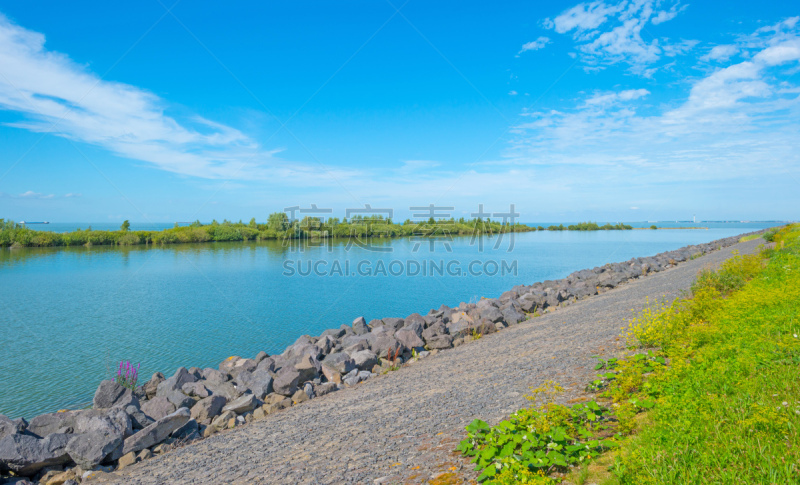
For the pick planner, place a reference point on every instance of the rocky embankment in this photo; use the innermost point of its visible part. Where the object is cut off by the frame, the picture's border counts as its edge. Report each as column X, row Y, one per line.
column 125, row 426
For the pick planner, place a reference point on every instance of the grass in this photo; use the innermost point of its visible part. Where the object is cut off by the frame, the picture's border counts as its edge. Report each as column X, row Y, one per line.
column 751, row 237
column 715, row 397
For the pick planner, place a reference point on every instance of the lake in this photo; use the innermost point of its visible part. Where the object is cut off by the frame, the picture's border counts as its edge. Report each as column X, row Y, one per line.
column 69, row 315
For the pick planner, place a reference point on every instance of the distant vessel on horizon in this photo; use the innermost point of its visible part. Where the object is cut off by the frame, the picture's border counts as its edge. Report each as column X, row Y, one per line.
column 44, row 222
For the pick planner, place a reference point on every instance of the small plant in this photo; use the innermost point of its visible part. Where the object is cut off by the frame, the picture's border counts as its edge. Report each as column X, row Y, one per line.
column 653, row 227
column 392, row 357
column 475, row 334
column 127, row 374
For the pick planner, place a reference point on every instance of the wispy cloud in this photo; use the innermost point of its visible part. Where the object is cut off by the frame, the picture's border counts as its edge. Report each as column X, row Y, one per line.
column 720, row 53
column 35, row 195
column 56, row 95
column 535, row 45
column 610, row 33
column 736, row 122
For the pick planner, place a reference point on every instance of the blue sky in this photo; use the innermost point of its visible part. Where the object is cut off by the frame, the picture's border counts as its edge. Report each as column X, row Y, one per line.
column 632, row 110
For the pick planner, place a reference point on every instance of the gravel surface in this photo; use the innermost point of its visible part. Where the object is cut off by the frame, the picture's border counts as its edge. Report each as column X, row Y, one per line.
column 402, row 427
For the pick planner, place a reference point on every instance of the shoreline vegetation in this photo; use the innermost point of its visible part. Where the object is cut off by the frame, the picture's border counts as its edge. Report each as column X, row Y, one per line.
column 706, row 391
column 129, row 423
column 277, row 227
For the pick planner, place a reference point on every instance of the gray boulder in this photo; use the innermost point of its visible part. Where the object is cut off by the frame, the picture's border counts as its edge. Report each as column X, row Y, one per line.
column 196, row 389
column 512, row 316
column 354, row 343
column 440, row 342
column 224, row 389
column 381, row 344
column 414, row 318
column 286, row 381
column 10, row 426
column 334, row 332
column 207, row 408
column 308, row 367
column 180, row 400
column 83, row 421
column 188, row 432
column 492, row 314
column 156, row 432
column 360, row 326
column 394, row 323
column 25, row 454
column 214, row 375
column 244, row 404
column 139, row 419
column 324, row 388
column 89, row 449
column 176, row 382
column 434, row 330
column 340, row 361
column 365, row 359
column 158, row 407
column 110, row 394
column 409, row 338
column 258, row 382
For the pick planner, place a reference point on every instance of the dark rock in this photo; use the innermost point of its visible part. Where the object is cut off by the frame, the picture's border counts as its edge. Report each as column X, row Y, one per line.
column 82, row 421
column 156, row 432
column 208, row 408
column 365, row 359
column 187, row 432
column 440, row 342
column 110, row 394
column 434, row 330
column 286, row 381
column 139, row 419
column 409, row 338
column 261, row 356
column 356, row 342
column 25, row 454
column 492, row 314
column 175, row 383
column 308, row 367
column 258, row 382
column 11, row 426
column 196, row 389
column 224, row 389
column 243, row 404
column 382, row 344
column 395, row 323
column 158, row 407
column 360, row 326
column 89, row 449
column 180, row 400
column 214, row 375
column 324, row 388
column 414, row 318
column 512, row 316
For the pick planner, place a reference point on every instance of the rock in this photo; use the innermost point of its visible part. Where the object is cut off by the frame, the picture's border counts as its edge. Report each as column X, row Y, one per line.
column 334, row 332
column 176, row 382
column 221, row 422
column 434, row 330
column 394, row 323
column 110, row 394
column 260, row 356
column 325, row 388
column 67, row 477
column 207, row 408
column 82, row 421
column 89, row 449
column 224, row 389
column 139, row 419
column 158, row 407
column 258, row 382
column 187, row 432
column 308, row 367
column 145, row 455
column 409, row 338
column 244, row 404
column 340, row 361
column 354, row 343
column 127, row 459
column 196, row 389
column 25, row 454
column 440, row 342
column 180, row 400
column 512, row 316
column 352, row 378
column 151, row 387
column 360, row 326
column 414, row 318
column 214, row 375
column 156, row 432
column 331, row 374
column 492, row 314
column 299, row 397
column 382, row 344
column 286, row 381
column 365, row 359
column 308, row 388
column 11, row 426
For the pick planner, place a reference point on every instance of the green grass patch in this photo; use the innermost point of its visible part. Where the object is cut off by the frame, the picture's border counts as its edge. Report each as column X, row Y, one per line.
column 715, row 399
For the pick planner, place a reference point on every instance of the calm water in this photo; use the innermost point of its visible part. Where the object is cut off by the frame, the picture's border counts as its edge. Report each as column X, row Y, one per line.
column 68, row 315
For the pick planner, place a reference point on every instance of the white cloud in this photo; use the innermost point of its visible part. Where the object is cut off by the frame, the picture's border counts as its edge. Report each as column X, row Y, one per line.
column 634, row 208
column 35, row 195
column 609, row 33
column 535, row 45
column 56, row 95
column 512, row 93
column 736, row 122
column 721, row 53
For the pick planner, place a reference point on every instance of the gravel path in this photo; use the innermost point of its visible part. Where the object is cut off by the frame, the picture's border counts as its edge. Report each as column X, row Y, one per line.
column 402, row 427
